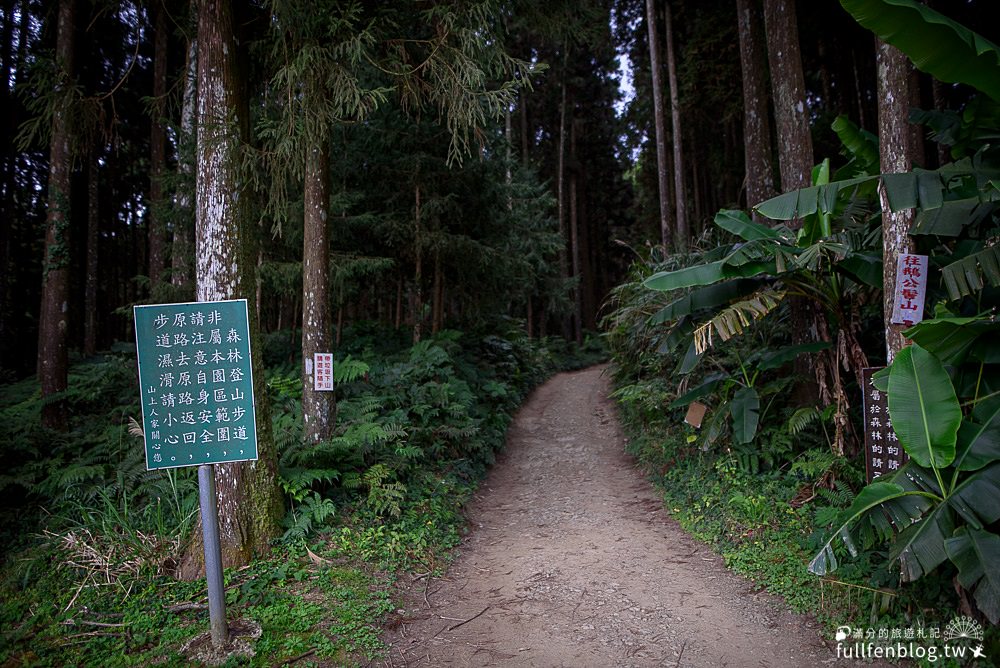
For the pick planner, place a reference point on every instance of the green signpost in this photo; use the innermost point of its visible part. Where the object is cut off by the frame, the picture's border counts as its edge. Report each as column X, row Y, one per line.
column 196, row 382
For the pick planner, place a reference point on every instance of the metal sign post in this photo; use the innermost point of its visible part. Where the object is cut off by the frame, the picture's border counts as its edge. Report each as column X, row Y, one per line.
column 196, row 385
column 213, row 554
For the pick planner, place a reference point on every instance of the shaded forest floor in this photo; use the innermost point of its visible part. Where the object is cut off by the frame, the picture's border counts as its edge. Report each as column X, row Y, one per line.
column 573, row 561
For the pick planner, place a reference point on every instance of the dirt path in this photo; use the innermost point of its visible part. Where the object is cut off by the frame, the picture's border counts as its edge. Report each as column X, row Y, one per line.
column 573, row 562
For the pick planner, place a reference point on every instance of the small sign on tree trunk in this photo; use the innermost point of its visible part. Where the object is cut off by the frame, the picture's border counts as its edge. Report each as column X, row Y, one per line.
column 323, row 372
column 196, row 383
column 911, row 288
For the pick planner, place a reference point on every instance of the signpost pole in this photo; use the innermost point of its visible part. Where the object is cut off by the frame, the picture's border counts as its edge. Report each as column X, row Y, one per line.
column 213, row 554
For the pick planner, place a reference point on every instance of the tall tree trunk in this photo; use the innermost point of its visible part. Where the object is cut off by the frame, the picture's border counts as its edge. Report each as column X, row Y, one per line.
column 895, row 155
column 54, row 315
column 677, row 135
column 756, row 122
column 158, row 150
column 317, row 407
column 418, row 272
column 564, row 268
column 90, row 323
column 795, row 150
column 659, row 111
column 574, row 233
column 182, row 251
column 249, row 499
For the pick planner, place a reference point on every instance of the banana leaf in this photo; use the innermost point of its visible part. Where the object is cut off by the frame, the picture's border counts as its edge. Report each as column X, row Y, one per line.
column 864, row 268
column 745, row 409
column 965, row 277
column 920, row 546
column 869, row 502
column 778, row 358
column 704, row 389
column 704, row 298
column 951, row 339
column 937, row 45
column 735, row 265
column 738, row 222
column 858, row 143
column 978, row 445
column 976, row 554
column 805, row 201
column 924, row 408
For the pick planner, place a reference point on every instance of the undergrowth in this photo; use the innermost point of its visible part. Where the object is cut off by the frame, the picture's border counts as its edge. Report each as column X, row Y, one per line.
column 93, row 539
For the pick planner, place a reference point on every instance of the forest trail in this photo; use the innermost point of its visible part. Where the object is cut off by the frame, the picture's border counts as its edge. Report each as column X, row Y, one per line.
column 572, row 561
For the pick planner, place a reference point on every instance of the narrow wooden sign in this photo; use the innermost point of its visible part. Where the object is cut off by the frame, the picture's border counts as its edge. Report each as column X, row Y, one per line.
column 911, row 289
column 883, row 453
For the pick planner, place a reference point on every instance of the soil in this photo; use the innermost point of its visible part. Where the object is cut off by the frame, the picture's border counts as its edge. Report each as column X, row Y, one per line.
column 573, row 561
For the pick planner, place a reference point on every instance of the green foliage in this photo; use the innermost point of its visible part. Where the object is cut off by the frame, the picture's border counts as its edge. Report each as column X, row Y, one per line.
column 946, row 495
column 948, row 51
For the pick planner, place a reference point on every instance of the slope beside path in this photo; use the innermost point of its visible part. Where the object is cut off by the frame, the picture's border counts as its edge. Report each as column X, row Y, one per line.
column 572, row 561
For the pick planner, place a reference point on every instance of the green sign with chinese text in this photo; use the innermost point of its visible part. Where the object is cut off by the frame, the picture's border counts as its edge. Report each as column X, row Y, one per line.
column 196, row 383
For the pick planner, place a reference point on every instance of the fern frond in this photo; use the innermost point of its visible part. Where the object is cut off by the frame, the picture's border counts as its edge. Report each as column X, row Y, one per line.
column 802, row 418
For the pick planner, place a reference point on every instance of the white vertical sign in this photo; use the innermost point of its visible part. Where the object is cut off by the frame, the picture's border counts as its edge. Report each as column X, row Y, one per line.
column 323, row 372
column 911, row 288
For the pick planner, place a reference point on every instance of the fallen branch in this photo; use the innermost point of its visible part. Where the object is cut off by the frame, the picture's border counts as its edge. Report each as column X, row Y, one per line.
column 455, row 626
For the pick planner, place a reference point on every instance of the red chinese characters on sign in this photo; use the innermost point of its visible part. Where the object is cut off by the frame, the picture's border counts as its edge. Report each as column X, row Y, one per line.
column 883, row 453
column 911, row 288
column 323, row 372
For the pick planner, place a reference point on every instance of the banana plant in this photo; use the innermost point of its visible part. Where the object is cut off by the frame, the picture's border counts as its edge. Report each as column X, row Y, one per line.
column 945, row 502
column 739, row 394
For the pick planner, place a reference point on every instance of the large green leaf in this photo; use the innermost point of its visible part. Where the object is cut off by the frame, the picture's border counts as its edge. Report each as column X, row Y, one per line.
column 923, row 407
column 701, row 299
column 745, row 409
column 976, row 554
column 870, row 501
column 735, row 265
column 806, row 201
column 951, row 339
column 705, row 388
column 965, row 276
column 864, row 268
column 951, row 218
column 738, row 222
column 978, row 444
column 975, row 497
column 774, row 359
column 920, row 546
column 937, row 45
column 699, row 274
column 858, row 143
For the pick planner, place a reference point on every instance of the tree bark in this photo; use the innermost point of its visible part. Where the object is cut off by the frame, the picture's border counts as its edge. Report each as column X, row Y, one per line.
column 795, row 149
column 418, row 272
column 158, row 150
column 90, row 323
column 659, row 110
column 756, row 122
column 677, row 135
column 317, row 407
column 181, row 253
column 249, row 499
column 53, row 360
column 574, row 234
column 895, row 155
